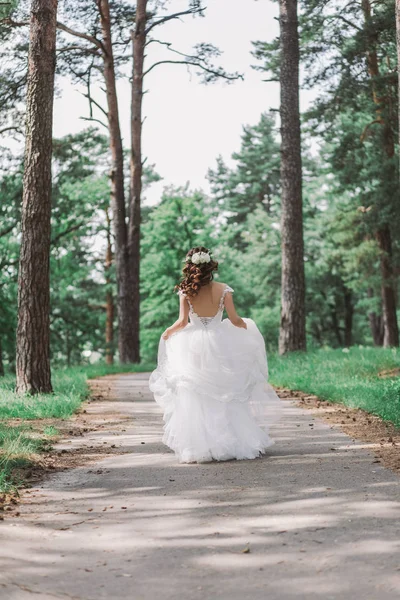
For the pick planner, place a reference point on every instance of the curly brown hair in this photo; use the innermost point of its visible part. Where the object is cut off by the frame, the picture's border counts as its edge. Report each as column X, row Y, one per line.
column 196, row 276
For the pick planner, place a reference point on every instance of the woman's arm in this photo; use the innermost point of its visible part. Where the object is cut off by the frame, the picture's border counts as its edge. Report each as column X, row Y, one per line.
column 232, row 314
column 182, row 321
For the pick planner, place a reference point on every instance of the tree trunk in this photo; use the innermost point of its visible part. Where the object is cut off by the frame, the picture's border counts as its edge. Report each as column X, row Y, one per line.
column 68, row 349
column 348, row 317
column 398, row 60
column 292, row 330
column 391, row 331
column 375, row 323
column 383, row 236
column 109, row 328
column 335, row 324
column 109, row 298
column 138, row 48
column 33, row 330
column 1, row 361
column 125, row 282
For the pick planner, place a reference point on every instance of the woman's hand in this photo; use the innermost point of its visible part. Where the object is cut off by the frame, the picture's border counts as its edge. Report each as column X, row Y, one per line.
column 165, row 335
column 240, row 323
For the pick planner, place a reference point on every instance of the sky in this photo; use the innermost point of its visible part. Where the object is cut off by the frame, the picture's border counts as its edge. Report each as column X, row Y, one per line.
column 188, row 124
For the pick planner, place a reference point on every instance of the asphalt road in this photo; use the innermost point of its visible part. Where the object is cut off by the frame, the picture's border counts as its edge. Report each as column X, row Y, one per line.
column 314, row 519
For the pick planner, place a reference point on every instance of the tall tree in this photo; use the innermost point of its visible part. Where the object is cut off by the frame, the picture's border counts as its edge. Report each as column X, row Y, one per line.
column 109, row 295
column 102, row 32
column 398, row 60
column 138, row 51
column 292, row 330
column 383, row 233
column 359, row 113
column 127, row 214
column 144, row 24
column 356, row 113
column 118, row 203
column 33, row 331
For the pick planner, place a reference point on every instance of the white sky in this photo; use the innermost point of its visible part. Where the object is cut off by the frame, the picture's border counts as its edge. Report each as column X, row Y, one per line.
column 188, row 124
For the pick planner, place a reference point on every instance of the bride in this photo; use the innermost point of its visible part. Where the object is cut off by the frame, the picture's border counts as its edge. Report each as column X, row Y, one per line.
column 211, row 378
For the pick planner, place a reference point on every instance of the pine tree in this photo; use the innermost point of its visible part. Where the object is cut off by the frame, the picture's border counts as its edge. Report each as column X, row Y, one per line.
column 292, row 331
column 96, row 37
column 33, row 332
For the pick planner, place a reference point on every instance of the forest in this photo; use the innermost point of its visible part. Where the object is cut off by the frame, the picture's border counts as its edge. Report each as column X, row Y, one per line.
column 145, row 455
column 314, row 232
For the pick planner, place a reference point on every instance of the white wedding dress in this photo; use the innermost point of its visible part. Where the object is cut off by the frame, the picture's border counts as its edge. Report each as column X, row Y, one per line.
column 211, row 382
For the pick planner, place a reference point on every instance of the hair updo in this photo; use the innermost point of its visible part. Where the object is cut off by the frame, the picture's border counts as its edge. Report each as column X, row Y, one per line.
column 196, row 276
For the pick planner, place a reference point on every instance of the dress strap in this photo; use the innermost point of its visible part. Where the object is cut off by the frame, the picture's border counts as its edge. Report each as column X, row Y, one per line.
column 180, row 293
column 222, row 300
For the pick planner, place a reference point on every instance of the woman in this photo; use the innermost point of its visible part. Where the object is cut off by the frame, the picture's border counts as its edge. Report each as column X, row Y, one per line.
column 211, row 379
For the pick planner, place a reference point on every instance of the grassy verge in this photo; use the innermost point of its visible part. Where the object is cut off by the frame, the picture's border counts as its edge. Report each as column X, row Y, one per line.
column 350, row 377
column 22, row 437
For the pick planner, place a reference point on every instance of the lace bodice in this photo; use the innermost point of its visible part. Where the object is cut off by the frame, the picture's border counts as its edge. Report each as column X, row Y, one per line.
column 207, row 322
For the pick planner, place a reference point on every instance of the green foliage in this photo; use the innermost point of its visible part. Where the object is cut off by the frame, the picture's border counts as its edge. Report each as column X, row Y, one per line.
column 7, row 7
column 182, row 220
column 81, row 195
column 255, row 180
column 348, row 51
column 10, row 201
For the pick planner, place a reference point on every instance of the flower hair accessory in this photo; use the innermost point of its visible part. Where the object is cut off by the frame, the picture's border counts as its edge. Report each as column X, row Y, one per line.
column 198, row 258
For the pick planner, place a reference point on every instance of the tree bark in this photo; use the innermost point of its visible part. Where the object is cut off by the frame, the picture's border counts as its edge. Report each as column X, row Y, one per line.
column 125, row 277
column 1, row 361
column 390, row 326
column 292, row 331
column 375, row 323
column 138, row 49
column 109, row 298
column 398, row 60
column 383, row 235
column 348, row 317
column 335, row 324
column 33, row 330
column 68, row 349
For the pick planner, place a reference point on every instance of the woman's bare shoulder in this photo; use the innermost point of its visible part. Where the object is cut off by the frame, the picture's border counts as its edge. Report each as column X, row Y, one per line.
column 218, row 285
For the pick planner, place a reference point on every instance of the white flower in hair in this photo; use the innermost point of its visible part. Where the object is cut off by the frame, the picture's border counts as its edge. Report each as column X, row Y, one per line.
column 198, row 258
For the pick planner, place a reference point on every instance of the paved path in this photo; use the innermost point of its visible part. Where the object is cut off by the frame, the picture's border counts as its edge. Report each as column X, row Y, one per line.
column 315, row 519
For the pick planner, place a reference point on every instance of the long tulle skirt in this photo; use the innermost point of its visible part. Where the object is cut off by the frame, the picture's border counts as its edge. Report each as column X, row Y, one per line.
column 212, row 386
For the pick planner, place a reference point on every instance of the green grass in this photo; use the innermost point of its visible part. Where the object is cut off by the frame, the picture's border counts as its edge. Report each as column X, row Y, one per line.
column 20, row 442
column 348, row 377
column 18, row 446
